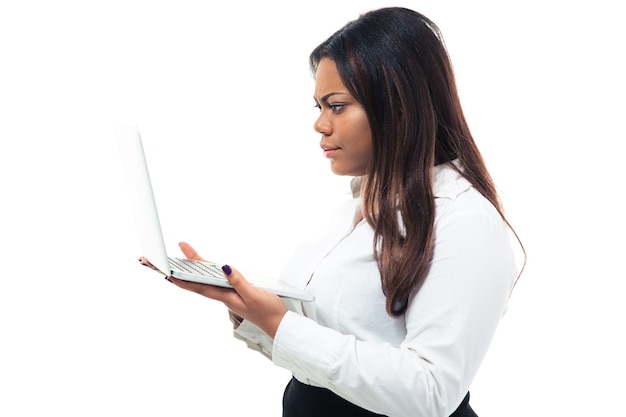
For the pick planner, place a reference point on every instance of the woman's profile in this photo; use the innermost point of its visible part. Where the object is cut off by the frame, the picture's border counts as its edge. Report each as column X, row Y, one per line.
column 415, row 271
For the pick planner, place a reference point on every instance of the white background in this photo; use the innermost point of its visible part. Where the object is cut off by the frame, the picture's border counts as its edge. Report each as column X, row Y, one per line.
column 222, row 95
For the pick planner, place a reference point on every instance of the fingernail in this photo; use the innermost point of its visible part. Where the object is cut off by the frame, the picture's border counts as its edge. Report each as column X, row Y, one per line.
column 168, row 279
column 227, row 270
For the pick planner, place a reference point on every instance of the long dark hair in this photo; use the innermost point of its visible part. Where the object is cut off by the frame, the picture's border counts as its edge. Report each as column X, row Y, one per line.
column 395, row 63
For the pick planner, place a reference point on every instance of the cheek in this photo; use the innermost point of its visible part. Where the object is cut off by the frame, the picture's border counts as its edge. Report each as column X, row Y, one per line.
column 363, row 135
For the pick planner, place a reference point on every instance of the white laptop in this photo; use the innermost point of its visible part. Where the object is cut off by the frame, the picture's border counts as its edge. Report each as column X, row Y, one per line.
column 149, row 228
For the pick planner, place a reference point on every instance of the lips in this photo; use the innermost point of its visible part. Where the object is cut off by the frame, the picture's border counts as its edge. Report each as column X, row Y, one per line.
column 328, row 151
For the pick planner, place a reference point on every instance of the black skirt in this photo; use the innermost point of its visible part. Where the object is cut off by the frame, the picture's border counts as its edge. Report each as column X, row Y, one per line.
column 301, row 400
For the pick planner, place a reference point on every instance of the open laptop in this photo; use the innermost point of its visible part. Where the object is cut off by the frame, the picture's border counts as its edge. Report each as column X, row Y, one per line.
column 149, row 228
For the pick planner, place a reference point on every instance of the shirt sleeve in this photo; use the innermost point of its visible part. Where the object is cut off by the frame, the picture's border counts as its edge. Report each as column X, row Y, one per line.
column 450, row 323
column 254, row 337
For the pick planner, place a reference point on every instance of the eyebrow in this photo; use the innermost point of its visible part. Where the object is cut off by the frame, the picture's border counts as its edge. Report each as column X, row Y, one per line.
column 327, row 96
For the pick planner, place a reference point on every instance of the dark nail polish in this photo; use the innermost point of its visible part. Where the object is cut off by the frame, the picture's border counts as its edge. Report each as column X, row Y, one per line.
column 168, row 279
column 227, row 270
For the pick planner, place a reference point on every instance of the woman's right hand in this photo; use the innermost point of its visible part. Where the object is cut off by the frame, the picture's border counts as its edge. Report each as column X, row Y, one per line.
column 190, row 253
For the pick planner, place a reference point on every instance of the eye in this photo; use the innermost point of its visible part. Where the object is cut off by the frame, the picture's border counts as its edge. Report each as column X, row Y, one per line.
column 335, row 107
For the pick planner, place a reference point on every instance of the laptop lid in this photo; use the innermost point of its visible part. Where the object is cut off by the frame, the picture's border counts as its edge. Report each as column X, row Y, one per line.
column 149, row 227
column 141, row 196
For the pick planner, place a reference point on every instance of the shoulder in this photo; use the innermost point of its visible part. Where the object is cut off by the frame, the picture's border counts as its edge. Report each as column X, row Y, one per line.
column 448, row 183
column 456, row 198
column 470, row 234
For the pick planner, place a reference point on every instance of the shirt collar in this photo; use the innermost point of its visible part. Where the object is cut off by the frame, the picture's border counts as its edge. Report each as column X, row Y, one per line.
column 448, row 181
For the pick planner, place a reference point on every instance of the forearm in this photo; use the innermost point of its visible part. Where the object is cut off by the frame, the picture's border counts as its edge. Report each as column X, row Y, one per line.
column 375, row 376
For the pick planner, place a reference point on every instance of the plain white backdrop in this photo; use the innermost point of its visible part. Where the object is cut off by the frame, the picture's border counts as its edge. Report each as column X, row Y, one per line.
column 223, row 97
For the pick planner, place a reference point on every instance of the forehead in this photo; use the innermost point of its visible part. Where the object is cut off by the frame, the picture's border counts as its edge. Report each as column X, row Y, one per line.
column 327, row 79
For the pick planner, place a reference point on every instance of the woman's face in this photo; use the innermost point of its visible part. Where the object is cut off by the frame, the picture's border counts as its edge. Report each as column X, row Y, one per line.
column 346, row 134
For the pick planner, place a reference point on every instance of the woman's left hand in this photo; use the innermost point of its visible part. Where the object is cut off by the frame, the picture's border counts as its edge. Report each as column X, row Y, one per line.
column 259, row 306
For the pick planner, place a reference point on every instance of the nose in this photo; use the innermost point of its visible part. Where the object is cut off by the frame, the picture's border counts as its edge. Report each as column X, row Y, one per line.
column 322, row 125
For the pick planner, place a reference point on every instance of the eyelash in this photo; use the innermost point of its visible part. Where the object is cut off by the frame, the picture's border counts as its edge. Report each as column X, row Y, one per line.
column 334, row 107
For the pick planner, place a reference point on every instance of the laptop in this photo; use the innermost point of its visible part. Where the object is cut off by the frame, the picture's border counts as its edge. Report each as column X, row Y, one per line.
column 150, row 234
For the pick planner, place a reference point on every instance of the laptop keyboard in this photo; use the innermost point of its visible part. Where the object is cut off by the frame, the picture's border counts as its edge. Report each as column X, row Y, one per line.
column 197, row 267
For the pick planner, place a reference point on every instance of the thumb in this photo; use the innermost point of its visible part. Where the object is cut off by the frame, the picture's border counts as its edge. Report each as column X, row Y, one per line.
column 238, row 282
column 189, row 252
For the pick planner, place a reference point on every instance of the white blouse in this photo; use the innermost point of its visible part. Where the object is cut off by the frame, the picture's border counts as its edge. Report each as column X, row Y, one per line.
column 419, row 364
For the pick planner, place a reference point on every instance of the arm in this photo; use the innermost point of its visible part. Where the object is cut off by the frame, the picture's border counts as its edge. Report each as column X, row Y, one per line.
column 449, row 325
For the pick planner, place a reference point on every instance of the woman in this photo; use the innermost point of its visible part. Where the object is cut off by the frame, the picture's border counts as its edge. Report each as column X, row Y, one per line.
column 414, row 275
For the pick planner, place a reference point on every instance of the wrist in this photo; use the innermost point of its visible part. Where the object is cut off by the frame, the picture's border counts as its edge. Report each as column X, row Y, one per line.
column 272, row 325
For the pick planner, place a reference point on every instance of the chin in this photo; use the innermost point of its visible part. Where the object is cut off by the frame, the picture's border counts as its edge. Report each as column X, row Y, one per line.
column 348, row 170
column 338, row 171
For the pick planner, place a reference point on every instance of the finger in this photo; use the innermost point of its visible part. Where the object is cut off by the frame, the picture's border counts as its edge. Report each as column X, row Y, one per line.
column 147, row 263
column 238, row 282
column 226, row 295
column 189, row 252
